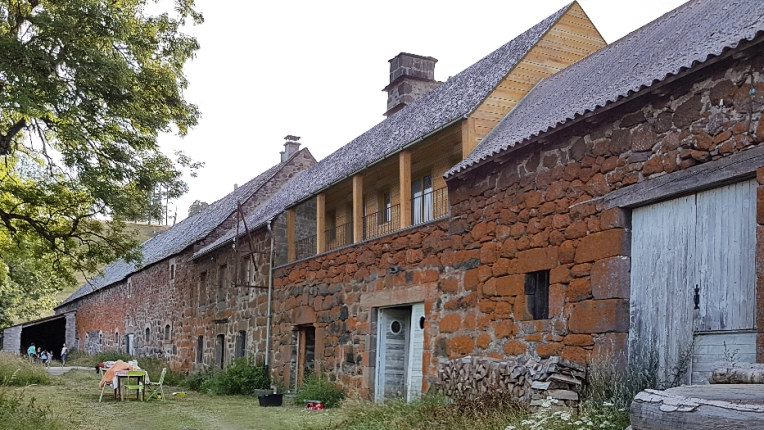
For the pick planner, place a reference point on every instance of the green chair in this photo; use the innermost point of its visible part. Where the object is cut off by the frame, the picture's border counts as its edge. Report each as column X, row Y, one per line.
column 156, row 387
column 134, row 382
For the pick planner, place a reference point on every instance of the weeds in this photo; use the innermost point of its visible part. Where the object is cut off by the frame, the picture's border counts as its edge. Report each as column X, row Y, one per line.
column 18, row 413
column 317, row 387
column 17, row 371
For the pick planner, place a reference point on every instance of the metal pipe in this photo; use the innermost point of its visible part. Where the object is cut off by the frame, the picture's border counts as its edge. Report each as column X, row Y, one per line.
column 270, row 296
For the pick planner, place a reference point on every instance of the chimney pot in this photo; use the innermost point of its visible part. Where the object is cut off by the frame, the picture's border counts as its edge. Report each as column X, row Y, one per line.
column 291, row 146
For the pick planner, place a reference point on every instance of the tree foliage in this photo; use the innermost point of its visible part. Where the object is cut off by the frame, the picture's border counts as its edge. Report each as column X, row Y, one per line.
column 196, row 207
column 86, row 87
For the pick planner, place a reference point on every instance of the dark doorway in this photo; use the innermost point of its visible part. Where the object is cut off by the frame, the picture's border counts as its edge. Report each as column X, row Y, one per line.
column 306, row 347
column 48, row 334
column 220, row 350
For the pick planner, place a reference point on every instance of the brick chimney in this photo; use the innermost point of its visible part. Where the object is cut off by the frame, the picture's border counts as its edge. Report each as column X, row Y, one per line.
column 291, row 146
column 411, row 77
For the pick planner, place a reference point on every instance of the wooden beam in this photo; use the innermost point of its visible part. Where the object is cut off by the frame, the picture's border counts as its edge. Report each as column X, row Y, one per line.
column 696, row 178
column 291, row 249
column 468, row 136
column 404, row 168
column 357, row 208
column 320, row 223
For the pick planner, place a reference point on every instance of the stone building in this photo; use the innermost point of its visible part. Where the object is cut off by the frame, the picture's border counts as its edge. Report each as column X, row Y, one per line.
column 148, row 309
column 558, row 197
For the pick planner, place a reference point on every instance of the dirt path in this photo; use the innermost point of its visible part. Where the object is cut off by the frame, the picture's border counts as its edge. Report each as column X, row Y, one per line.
column 58, row 371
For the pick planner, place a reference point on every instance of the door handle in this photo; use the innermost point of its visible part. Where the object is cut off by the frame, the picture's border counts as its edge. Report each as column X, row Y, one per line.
column 697, row 297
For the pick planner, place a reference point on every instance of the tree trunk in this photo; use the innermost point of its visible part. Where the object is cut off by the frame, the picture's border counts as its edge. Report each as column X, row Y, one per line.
column 738, row 373
column 699, row 407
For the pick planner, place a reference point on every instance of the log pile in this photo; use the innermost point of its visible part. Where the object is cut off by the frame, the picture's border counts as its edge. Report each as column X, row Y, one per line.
column 530, row 381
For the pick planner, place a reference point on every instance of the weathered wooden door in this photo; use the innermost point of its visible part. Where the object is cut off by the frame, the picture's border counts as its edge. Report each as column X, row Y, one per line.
column 416, row 352
column 220, row 351
column 392, row 352
column 706, row 240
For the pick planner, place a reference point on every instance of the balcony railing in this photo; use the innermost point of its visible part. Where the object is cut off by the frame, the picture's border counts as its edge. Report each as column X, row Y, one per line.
column 305, row 247
column 382, row 222
column 340, row 236
column 429, row 206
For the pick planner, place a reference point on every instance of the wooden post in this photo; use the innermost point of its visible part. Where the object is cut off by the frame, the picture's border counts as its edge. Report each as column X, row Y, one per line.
column 320, row 223
column 291, row 248
column 357, row 208
column 404, row 168
column 469, row 142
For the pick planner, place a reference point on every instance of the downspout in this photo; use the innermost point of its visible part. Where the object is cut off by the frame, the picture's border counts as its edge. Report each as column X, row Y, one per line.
column 270, row 296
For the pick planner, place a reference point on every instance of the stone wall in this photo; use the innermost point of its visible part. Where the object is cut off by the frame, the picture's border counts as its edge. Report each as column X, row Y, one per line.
column 530, row 210
column 12, row 340
column 174, row 312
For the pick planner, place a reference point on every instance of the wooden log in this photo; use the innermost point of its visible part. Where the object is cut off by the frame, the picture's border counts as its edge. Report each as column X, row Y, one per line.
column 738, row 373
column 699, row 407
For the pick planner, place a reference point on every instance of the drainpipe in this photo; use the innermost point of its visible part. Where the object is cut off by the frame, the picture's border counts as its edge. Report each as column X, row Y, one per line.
column 270, row 296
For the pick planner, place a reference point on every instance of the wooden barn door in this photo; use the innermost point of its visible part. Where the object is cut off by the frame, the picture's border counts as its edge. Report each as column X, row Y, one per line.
column 392, row 352
column 416, row 353
column 706, row 240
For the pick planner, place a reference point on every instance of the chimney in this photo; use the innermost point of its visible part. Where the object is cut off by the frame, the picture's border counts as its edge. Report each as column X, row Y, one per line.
column 291, row 146
column 411, row 77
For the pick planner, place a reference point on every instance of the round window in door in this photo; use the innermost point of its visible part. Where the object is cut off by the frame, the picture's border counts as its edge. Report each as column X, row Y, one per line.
column 395, row 327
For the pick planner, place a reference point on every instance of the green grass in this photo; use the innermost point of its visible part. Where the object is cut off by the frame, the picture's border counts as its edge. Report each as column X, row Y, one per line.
column 15, row 371
column 73, row 401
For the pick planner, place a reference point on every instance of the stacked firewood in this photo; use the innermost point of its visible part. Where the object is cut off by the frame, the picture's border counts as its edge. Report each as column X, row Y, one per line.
column 531, row 381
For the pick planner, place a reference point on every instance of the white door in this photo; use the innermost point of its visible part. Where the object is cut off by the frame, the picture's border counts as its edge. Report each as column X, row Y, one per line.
column 130, row 347
column 706, row 240
column 416, row 352
column 392, row 352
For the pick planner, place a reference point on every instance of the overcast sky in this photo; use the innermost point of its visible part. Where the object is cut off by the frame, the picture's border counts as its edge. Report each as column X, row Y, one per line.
column 315, row 69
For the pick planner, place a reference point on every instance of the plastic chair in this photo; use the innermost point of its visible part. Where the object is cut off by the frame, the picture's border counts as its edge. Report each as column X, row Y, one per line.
column 156, row 387
column 110, row 384
column 133, row 382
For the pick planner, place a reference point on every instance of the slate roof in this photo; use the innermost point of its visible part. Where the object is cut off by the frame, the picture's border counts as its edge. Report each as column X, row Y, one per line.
column 678, row 40
column 449, row 102
column 179, row 236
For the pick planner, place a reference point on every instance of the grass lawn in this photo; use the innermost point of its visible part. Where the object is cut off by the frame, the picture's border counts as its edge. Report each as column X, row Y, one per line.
column 73, row 399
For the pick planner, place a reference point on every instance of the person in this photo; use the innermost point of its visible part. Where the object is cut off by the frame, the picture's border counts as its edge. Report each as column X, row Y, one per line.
column 32, row 353
column 50, row 358
column 64, row 351
column 43, row 357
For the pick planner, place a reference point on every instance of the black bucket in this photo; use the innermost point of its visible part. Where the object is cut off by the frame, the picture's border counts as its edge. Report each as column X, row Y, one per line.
column 271, row 400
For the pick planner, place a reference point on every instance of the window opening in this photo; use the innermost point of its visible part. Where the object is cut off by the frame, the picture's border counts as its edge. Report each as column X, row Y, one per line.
column 168, row 332
column 148, row 332
column 172, row 271
column 421, row 201
column 241, row 344
column 222, row 282
column 421, row 323
column 537, row 294
column 395, row 327
column 199, row 348
column 220, row 351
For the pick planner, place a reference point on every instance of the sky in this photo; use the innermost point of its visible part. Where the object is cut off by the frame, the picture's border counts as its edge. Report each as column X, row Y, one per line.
column 316, row 69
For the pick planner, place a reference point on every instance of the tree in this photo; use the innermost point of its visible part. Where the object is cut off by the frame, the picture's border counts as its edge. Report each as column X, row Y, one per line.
column 196, row 207
column 86, row 87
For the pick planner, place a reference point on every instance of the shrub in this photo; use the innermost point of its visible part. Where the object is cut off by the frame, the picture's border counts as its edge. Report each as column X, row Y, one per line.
column 17, row 371
column 239, row 377
column 318, row 388
column 100, row 357
column 19, row 414
column 155, row 365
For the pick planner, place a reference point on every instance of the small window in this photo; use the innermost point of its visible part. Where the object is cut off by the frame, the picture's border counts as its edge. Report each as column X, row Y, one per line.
column 172, row 271
column 244, row 265
column 241, row 344
column 199, row 348
column 116, row 338
column 168, row 332
column 386, row 207
column 395, row 327
column 222, row 282
column 202, row 287
column 537, row 294
column 148, row 333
